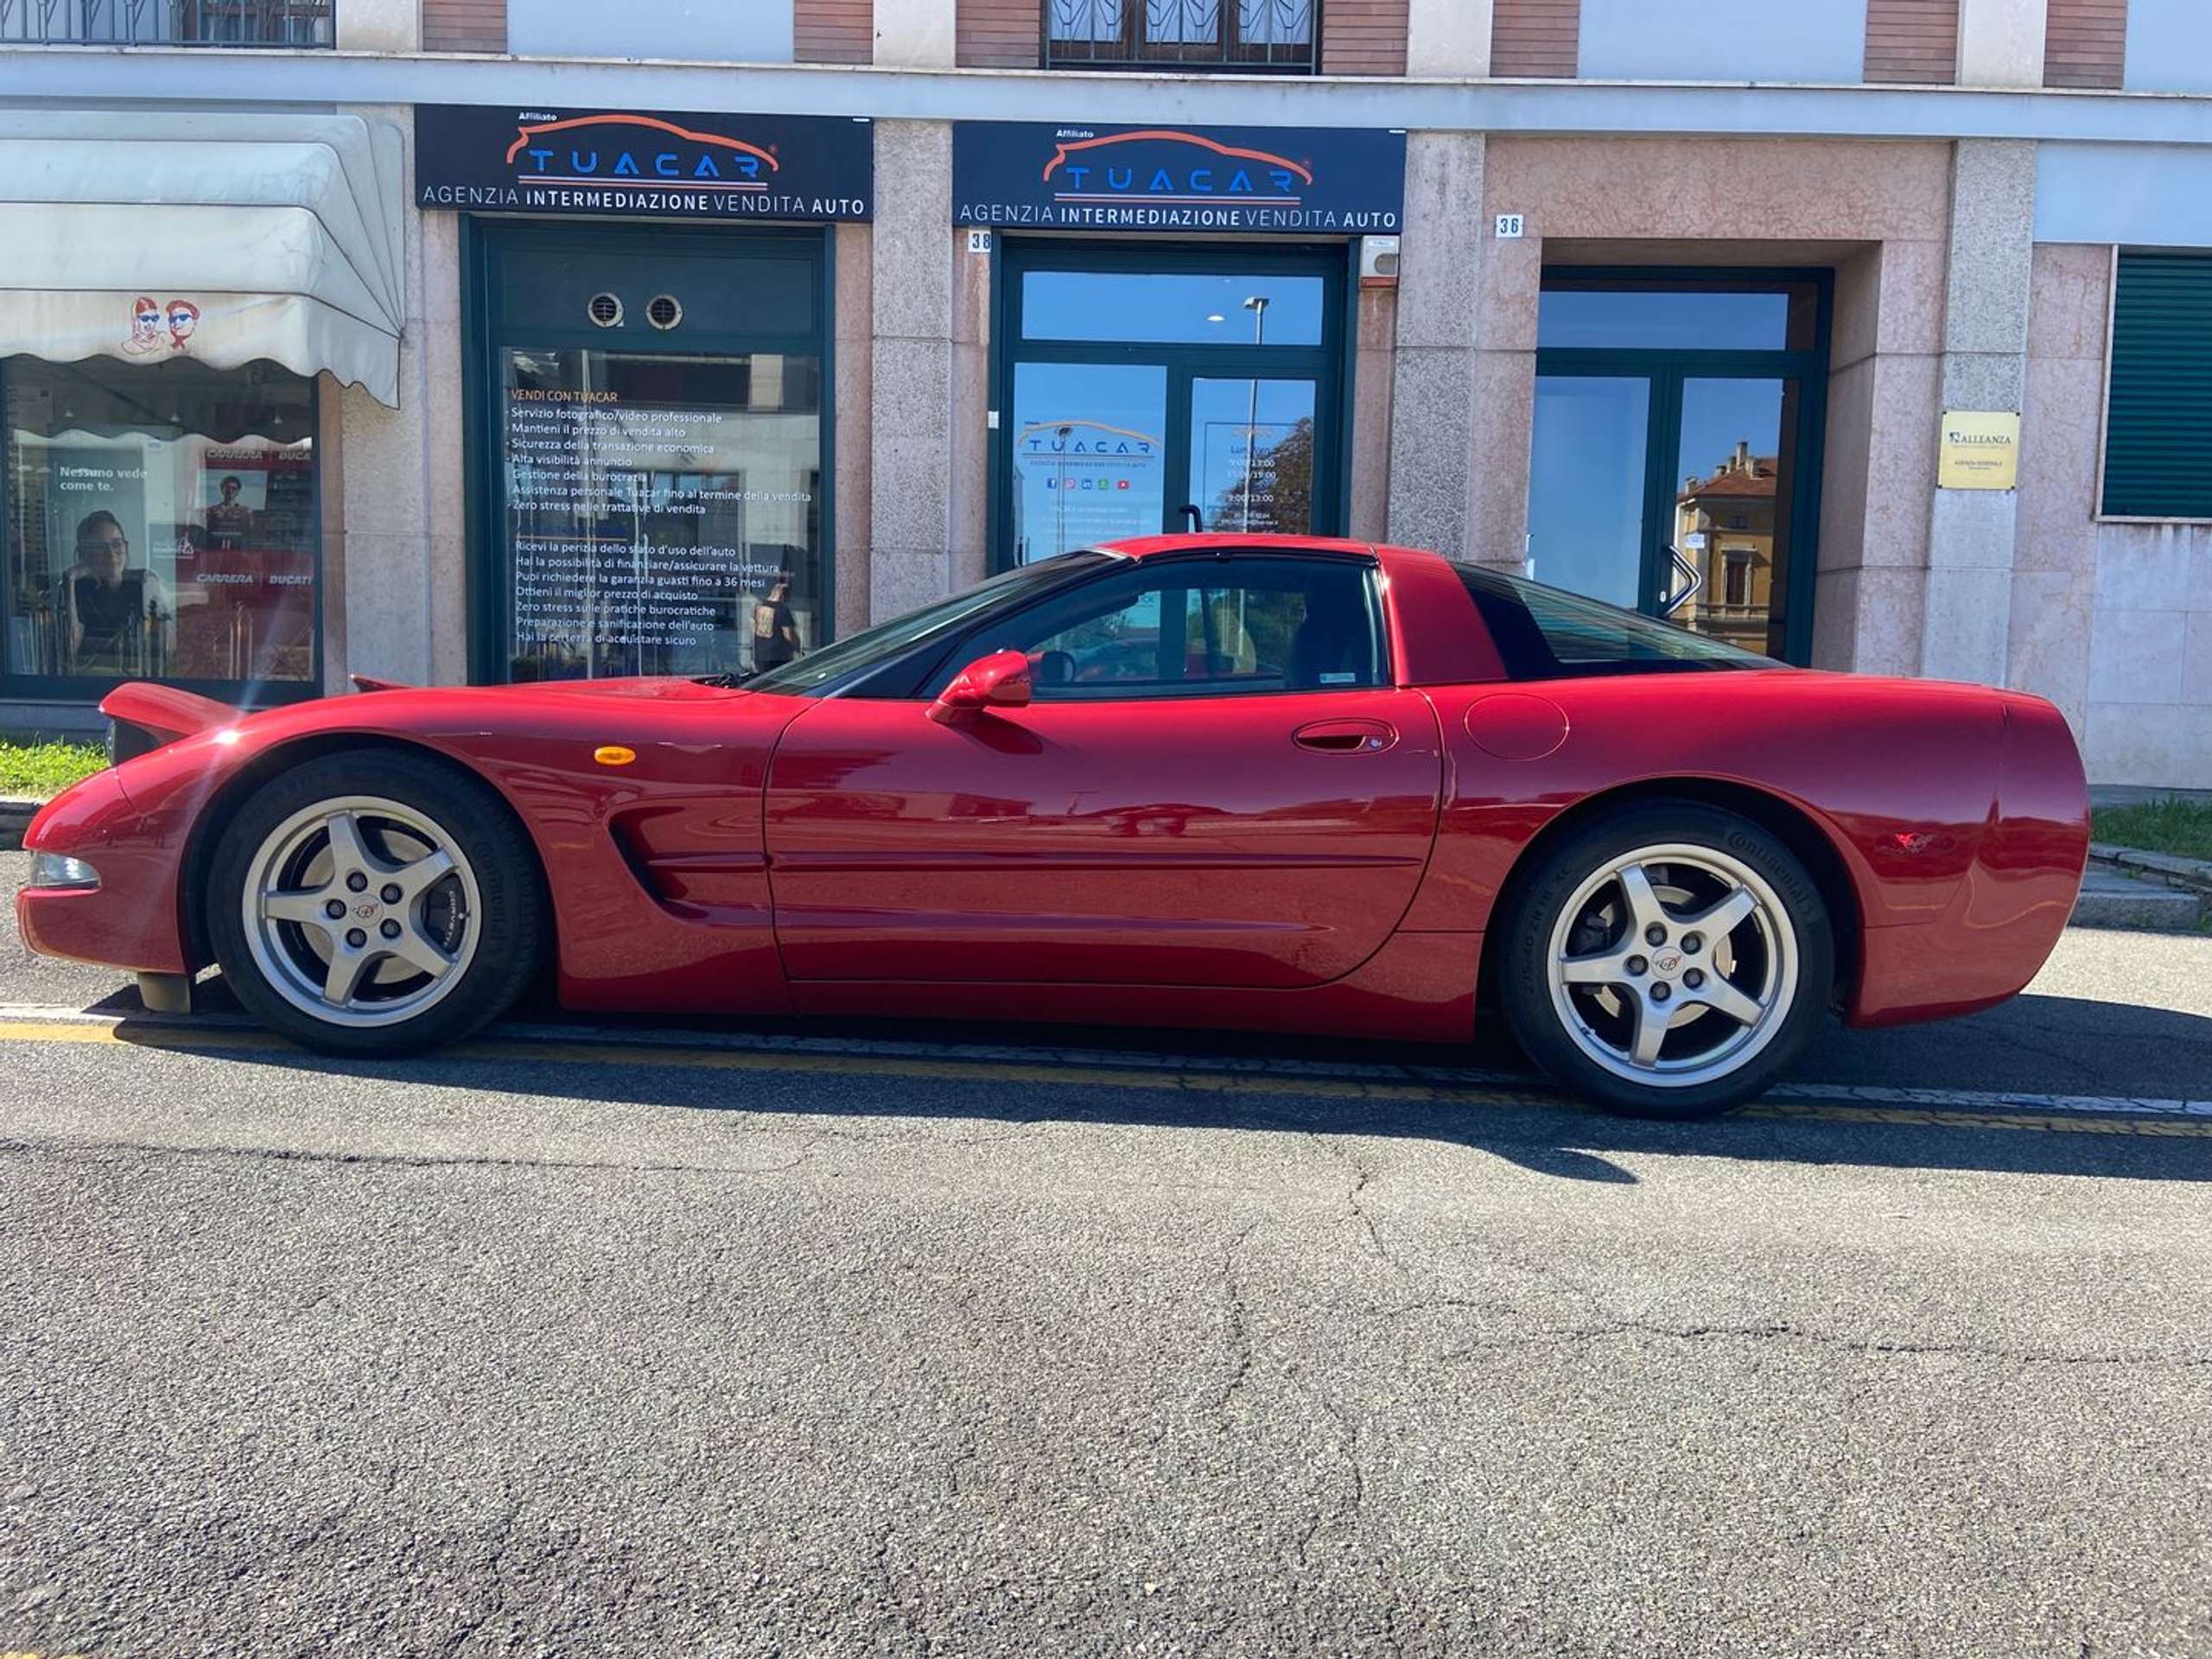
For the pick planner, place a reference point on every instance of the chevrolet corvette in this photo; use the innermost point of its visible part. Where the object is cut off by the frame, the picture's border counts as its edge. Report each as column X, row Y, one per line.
column 1276, row 784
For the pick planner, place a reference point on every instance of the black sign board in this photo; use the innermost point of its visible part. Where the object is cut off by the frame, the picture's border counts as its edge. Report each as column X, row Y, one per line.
column 643, row 163
column 1332, row 181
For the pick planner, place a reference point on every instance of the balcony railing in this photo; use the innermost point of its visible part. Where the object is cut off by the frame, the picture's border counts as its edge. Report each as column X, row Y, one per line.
column 168, row 23
column 1272, row 36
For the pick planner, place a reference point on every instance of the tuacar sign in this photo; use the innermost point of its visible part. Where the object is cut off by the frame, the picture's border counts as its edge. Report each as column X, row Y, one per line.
column 1332, row 181
column 643, row 164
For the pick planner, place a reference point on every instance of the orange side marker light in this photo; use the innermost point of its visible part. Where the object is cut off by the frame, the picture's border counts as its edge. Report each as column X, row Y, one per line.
column 614, row 755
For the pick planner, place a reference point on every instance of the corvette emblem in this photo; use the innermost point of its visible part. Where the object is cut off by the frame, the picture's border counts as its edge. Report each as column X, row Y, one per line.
column 1667, row 963
column 364, row 909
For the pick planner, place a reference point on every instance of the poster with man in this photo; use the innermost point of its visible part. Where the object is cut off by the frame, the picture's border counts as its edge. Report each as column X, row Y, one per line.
column 231, row 500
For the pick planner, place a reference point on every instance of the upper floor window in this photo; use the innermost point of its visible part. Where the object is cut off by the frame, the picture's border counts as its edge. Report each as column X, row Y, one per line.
column 2158, row 414
column 1279, row 35
column 169, row 22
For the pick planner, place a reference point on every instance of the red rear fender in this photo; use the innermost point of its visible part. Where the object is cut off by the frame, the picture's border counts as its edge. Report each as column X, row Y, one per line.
column 164, row 710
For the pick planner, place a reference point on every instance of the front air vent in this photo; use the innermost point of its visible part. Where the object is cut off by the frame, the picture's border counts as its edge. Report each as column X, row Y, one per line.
column 663, row 311
column 606, row 310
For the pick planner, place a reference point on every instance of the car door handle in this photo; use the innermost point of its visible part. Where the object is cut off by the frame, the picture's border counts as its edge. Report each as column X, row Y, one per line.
column 1346, row 736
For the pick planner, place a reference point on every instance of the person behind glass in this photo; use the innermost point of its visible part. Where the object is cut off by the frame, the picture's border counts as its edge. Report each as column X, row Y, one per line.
column 230, row 521
column 775, row 628
column 113, row 617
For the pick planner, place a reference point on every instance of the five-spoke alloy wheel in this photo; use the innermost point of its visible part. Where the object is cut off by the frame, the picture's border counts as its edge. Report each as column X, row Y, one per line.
column 379, row 902
column 1667, row 962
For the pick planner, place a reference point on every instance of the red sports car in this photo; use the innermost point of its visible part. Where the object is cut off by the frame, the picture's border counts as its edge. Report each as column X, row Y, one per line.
column 1279, row 784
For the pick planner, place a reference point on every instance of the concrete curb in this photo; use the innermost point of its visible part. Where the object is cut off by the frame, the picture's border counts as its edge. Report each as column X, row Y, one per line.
column 2164, row 891
column 2194, row 874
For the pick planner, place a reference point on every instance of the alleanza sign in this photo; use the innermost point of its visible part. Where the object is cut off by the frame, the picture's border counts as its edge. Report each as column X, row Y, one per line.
column 1338, row 181
column 643, row 164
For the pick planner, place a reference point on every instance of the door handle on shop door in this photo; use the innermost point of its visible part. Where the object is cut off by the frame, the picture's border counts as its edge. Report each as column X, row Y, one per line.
column 1346, row 736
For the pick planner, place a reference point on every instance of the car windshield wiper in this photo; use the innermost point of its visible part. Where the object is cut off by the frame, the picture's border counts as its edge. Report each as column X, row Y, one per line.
column 724, row 681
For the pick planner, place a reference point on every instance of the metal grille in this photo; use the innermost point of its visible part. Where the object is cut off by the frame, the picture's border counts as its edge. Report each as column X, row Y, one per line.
column 1282, row 37
column 605, row 309
column 169, row 22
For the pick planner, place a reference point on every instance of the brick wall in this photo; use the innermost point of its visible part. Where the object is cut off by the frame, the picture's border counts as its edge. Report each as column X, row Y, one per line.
column 1913, row 41
column 998, row 34
column 2085, row 43
column 832, row 31
column 1536, row 37
column 1362, row 37
column 464, row 25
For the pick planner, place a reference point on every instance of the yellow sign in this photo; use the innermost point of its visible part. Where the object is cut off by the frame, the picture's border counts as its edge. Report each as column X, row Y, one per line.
column 1981, row 450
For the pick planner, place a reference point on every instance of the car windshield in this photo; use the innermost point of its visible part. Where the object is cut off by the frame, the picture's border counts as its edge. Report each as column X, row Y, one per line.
column 872, row 647
column 1548, row 633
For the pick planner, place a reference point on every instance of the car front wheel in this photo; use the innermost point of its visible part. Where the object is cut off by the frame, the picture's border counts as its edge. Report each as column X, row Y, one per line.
column 375, row 904
column 1669, row 962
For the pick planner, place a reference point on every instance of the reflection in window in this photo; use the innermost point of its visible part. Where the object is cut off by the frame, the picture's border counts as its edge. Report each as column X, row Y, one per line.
column 1275, row 23
column 1180, row 23
column 1084, row 20
column 1676, row 319
column 1252, row 455
column 664, row 513
column 1088, row 453
column 162, row 522
column 1175, row 308
column 1276, row 33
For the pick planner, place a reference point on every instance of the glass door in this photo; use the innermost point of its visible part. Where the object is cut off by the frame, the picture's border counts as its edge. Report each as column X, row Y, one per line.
column 1089, row 454
column 1587, row 484
column 1674, row 461
column 1729, row 525
column 1251, row 467
column 1149, row 390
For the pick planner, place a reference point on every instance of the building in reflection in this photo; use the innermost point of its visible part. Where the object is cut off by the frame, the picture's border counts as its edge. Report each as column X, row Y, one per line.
column 1725, row 527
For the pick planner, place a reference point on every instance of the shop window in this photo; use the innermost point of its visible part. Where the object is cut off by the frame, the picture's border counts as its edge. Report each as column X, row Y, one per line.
column 664, row 512
column 162, row 524
column 2158, row 421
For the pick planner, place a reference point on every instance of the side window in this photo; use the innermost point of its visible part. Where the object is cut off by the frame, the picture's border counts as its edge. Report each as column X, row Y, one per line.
column 1199, row 627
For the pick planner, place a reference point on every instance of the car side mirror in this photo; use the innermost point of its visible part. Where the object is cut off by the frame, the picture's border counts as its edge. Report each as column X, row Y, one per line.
column 998, row 681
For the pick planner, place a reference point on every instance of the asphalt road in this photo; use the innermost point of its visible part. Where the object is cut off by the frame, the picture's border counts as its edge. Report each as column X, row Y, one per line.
column 880, row 1341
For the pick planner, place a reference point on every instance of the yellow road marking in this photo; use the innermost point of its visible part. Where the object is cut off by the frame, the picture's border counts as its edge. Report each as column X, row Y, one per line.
column 215, row 1038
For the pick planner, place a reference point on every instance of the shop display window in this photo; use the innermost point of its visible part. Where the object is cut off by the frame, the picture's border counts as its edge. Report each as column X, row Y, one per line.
column 163, row 524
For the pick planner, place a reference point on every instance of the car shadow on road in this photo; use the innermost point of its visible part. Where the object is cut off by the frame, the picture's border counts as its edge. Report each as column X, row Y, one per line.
column 1004, row 1077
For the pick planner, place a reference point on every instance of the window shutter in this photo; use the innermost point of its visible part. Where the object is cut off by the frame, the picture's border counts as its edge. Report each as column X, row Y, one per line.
column 2158, row 427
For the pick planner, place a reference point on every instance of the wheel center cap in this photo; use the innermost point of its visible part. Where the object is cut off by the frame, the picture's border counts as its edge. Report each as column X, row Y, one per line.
column 365, row 909
column 1668, row 962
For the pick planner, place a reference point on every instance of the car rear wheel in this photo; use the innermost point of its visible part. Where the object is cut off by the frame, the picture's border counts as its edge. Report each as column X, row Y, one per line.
column 1669, row 962
column 375, row 904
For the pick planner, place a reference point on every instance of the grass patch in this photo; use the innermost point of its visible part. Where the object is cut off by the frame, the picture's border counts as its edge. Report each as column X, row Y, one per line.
column 38, row 770
column 2182, row 829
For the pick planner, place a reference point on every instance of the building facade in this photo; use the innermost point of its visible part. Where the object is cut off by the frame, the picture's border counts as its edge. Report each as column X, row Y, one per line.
column 440, row 339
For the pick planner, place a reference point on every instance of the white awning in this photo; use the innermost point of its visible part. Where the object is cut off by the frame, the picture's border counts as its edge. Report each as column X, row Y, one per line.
column 148, row 235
